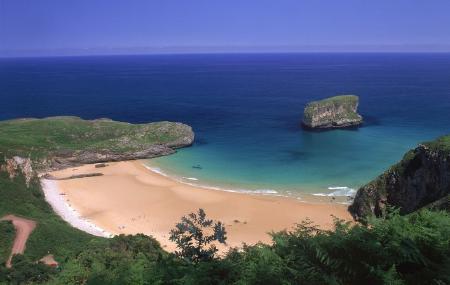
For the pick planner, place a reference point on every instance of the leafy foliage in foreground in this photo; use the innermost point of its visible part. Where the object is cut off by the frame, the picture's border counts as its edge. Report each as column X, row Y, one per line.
column 26, row 271
column 413, row 249
column 195, row 236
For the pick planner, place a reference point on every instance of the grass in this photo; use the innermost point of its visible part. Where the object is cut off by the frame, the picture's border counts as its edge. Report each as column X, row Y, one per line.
column 441, row 144
column 6, row 240
column 38, row 138
column 52, row 234
column 340, row 99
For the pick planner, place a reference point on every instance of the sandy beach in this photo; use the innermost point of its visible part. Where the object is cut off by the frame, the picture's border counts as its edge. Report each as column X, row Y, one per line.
column 131, row 199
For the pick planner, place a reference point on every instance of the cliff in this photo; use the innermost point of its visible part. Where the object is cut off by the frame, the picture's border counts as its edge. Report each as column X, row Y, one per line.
column 59, row 142
column 420, row 179
column 333, row 112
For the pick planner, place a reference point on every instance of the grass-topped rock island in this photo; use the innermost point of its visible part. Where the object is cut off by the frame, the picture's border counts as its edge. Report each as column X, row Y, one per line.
column 334, row 112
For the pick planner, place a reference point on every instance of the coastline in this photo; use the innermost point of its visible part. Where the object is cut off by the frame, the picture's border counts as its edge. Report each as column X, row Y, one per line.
column 338, row 194
column 129, row 199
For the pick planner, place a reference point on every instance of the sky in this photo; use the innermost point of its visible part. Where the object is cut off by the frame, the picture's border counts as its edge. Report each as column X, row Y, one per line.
column 60, row 27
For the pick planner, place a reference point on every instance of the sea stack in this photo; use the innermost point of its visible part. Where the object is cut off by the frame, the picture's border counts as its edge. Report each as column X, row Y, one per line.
column 334, row 112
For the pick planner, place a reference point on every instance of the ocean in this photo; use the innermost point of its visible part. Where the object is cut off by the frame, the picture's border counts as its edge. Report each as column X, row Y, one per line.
column 246, row 111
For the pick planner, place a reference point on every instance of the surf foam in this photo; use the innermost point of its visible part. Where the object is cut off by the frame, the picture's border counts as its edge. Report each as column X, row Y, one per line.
column 340, row 191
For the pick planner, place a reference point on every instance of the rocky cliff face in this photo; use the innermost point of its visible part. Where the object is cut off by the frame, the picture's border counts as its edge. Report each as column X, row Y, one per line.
column 334, row 112
column 16, row 165
column 421, row 179
column 182, row 136
column 61, row 160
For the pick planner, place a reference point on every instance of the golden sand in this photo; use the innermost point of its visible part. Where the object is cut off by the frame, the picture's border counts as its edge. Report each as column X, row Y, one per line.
column 131, row 199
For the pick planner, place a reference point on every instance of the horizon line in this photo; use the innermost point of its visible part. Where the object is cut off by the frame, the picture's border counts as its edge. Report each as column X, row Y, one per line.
column 217, row 53
column 175, row 50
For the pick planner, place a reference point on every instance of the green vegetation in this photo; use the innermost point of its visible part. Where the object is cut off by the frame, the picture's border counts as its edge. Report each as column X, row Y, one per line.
column 195, row 236
column 39, row 138
column 441, row 144
column 52, row 234
column 6, row 240
column 26, row 271
column 412, row 249
column 340, row 99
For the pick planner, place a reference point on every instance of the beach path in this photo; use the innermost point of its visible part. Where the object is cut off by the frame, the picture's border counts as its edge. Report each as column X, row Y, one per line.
column 24, row 227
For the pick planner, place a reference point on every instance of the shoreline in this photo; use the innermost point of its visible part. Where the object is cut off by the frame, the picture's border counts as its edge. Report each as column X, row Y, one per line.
column 340, row 194
column 54, row 197
column 129, row 199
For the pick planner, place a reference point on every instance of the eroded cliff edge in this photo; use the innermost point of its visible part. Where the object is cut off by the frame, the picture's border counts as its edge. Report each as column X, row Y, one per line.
column 420, row 179
column 334, row 112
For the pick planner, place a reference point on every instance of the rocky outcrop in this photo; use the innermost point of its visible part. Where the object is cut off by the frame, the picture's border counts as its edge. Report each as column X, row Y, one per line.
column 333, row 112
column 420, row 179
column 77, row 176
column 60, row 142
column 61, row 160
column 16, row 165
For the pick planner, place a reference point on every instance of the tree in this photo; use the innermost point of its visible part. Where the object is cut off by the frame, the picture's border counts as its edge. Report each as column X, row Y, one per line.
column 195, row 236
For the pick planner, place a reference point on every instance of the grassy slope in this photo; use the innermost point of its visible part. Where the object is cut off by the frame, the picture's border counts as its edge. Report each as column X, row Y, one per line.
column 441, row 144
column 52, row 233
column 38, row 137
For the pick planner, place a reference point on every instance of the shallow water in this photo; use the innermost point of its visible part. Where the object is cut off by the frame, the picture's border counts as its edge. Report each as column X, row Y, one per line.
column 246, row 110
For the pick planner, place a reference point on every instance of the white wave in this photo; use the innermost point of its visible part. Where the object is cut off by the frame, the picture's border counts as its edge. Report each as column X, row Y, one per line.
column 341, row 191
column 338, row 188
column 183, row 180
column 156, row 170
column 262, row 191
column 190, row 178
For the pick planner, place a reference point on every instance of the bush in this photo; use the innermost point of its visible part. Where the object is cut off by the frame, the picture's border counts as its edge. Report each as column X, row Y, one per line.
column 406, row 250
column 192, row 238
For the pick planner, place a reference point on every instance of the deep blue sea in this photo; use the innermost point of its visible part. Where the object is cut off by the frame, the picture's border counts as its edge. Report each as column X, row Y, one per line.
column 246, row 110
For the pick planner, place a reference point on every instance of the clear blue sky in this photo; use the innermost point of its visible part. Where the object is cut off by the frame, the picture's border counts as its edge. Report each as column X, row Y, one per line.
column 136, row 26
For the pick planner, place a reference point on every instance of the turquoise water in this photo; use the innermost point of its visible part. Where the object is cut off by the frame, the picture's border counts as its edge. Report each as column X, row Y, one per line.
column 302, row 162
column 246, row 110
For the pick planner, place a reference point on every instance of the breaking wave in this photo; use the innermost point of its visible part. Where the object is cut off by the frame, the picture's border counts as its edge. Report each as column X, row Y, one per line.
column 340, row 191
